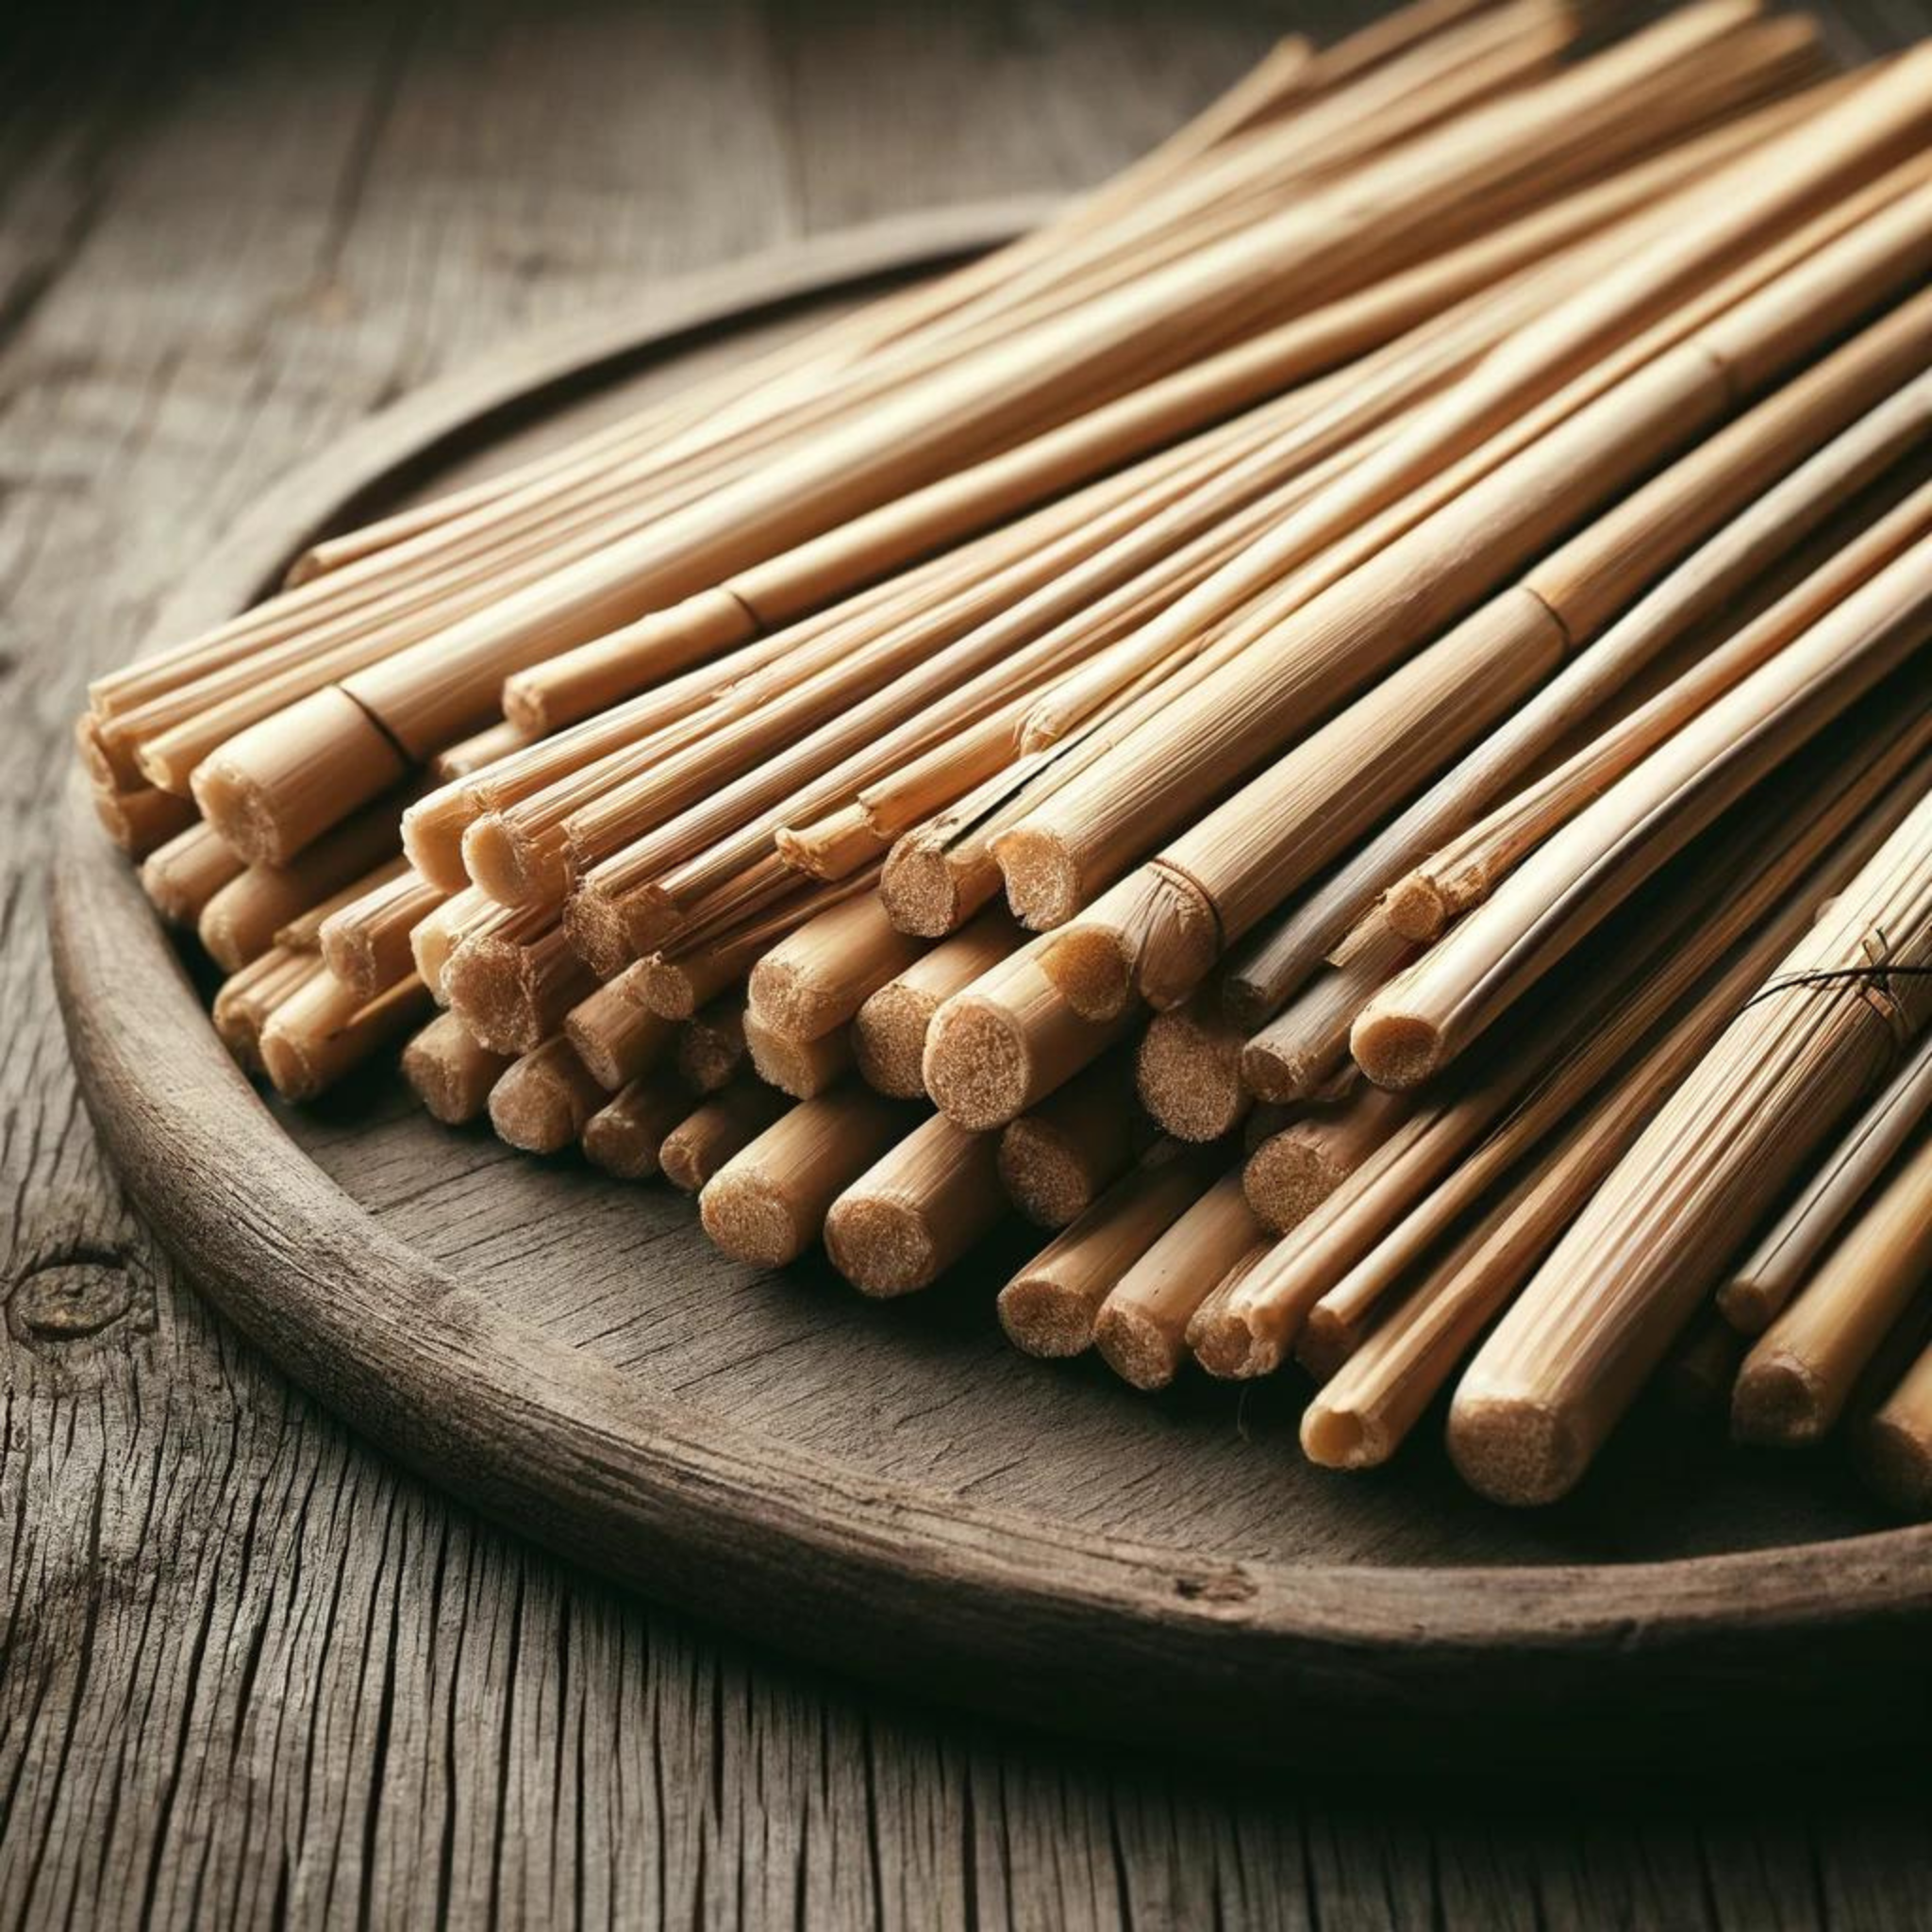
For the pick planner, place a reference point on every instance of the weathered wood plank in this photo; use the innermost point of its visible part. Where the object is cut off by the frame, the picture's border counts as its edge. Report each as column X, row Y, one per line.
column 248, row 1674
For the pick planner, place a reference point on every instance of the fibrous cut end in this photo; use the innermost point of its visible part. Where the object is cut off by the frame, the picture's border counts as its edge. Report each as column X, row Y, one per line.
column 1136, row 1349
column 882, row 1247
column 1042, row 882
column 1396, row 1050
column 1044, row 1318
column 977, row 1065
column 747, row 1215
column 1514, row 1450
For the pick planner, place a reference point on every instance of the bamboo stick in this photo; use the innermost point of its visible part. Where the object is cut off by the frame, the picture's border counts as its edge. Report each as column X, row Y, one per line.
column 143, row 819
column 1057, row 1159
column 1787, row 1255
column 1048, row 1308
column 625, row 1135
column 544, row 1100
column 890, row 1028
column 303, row 933
column 768, row 1203
column 821, row 973
column 1293, row 1171
column 1896, row 1442
column 711, row 1052
column 250, row 995
column 1006, row 1041
column 616, row 1040
column 1798, row 1377
column 1306, row 1042
column 800, row 1067
column 242, row 920
column 916, row 1211
column 513, row 988
column 449, row 1072
column 182, row 875
column 1141, row 1327
column 1550, row 1384
column 324, row 1030
column 365, row 943
column 1188, row 1070
column 716, row 1131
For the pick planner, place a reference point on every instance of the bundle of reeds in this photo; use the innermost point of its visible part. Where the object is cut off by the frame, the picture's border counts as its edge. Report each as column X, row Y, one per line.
column 1417, row 594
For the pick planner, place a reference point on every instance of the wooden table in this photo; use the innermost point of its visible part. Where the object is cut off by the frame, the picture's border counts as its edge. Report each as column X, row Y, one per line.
column 249, row 1671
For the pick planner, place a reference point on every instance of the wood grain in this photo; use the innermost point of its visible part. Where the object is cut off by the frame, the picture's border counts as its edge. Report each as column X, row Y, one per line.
column 251, row 1672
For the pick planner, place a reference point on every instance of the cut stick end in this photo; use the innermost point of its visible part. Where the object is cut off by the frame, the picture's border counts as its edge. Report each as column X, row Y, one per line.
column 433, row 831
column 1396, row 1050
column 1748, row 1304
column 1045, row 1318
column 788, row 999
column 449, row 1072
column 1189, row 1081
column 921, row 894
column 1230, row 1350
column 889, row 1041
column 1042, row 882
column 1777, row 1404
column 749, row 1219
column 1896, row 1461
column 1043, row 1175
column 526, row 705
column 1092, row 972
column 289, row 1068
column 514, row 870
column 976, row 1066
column 276, row 787
column 486, row 991
column 1273, row 1075
column 1141, row 1352
column 596, row 927
column 882, row 1247
column 1286, row 1180
column 1417, row 908
column 1513, row 1450
column 621, row 1147
column 535, row 1111
column 1340, row 1438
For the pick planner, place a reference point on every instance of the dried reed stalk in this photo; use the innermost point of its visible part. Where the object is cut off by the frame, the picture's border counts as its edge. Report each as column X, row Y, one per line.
column 1789, row 1253
column 1797, row 1379
column 544, row 1098
column 916, row 1211
column 1057, row 1159
column 767, row 1204
column 1142, row 1324
column 721, row 1128
column 889, row 1030
column 449, row 1072
column 1049, row 1307
column 1550, row 1384
column 625, row 1135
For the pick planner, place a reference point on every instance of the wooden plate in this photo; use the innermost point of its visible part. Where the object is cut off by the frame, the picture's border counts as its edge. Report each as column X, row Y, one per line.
column 889, row 1488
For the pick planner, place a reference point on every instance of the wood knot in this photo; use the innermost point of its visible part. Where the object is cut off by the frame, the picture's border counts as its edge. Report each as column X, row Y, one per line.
column 71, row 1295
column 1216, row 1587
